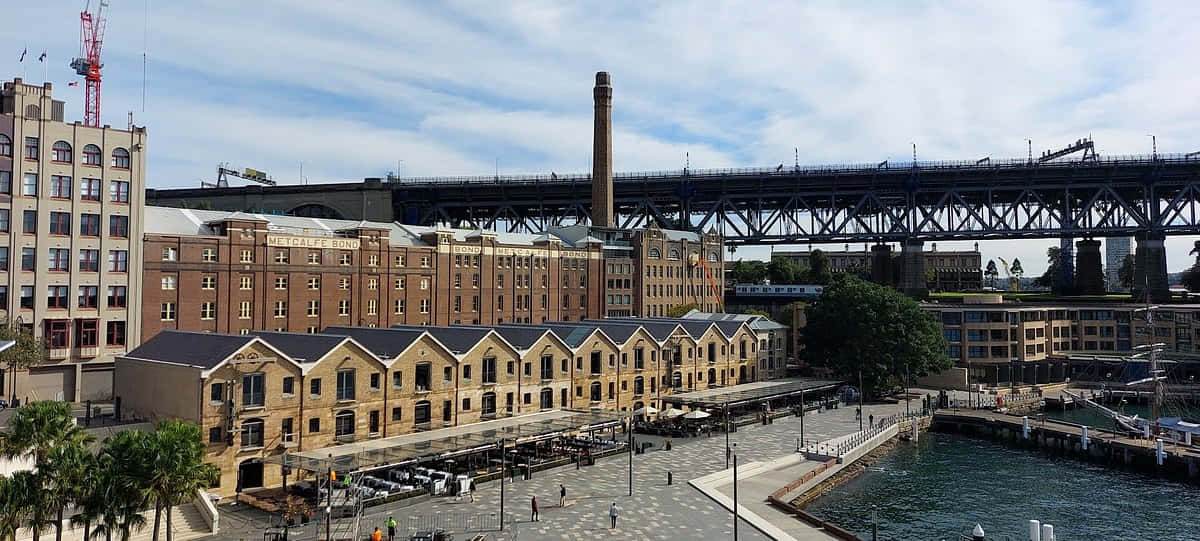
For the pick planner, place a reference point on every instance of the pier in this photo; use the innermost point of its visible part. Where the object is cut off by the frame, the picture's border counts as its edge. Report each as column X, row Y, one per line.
column 1067, row 439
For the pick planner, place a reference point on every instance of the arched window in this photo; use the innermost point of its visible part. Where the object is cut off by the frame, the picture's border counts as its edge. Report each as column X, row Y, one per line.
column 120, row 158
column 5, row 146
column 61, row 151
column 547, row 398
column 673, row 254
column 91, row 155
column 596, row 396
column 639, row 385
column 421, row 413
column 655, row 253
column 488, row 404
column 252, row 433
column 712, row 257
column 343, row 423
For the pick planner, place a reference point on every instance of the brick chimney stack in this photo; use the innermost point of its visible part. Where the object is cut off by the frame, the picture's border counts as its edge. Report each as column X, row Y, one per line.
column 602, row 185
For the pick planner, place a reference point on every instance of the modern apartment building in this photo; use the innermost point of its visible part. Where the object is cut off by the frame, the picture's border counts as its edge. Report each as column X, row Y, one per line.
column 1116, row 249
column 236, row 272
column 262, row 394
column 71, row 200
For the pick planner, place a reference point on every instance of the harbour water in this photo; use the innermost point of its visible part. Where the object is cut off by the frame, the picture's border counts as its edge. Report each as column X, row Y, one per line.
column 944, row 485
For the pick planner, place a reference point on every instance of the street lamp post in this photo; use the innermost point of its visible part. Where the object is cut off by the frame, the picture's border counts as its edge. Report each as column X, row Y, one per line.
column 728, row 449
column 503, row 461
column 631, row 444
column 802, row 416
column 735, row 499
column 861, row 392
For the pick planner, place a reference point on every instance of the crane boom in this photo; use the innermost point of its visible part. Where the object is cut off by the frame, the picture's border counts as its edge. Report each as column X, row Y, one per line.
column 87, row 64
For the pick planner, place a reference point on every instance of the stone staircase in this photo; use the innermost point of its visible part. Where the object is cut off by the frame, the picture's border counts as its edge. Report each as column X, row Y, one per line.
column 186, row 519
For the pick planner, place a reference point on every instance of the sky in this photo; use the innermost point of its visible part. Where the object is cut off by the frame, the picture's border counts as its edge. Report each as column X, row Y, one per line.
column 350, row 89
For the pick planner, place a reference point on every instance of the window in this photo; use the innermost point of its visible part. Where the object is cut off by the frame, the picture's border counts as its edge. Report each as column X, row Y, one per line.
column 314, row 282
column 424, row 261
column 466, row 404
column 116, row 333
column 424, row 306
column 253, row 394
column 86, row 333
column 281, row 282
column 372, row 307
column 252, row 433
column 27, row 259
column 60, row 187
column 170, row 254
column 245, row 310
column 314, row 308
column 314, row 387
column 247, row 256
column 27, row 297
column 373, row 260
column 208, row 255
column 397, row 415
column 56, row 297
column 208, row 310
column 280, row 309
column 424, row 283
column 89, row 189
column 118, row 226
column 216, row 392
column 343, row 283
column 168, row 282
column 118, row 260
column 31, row 148
column 60, row 259
column 397, row 379
column 286, row 429
column 89, row 225
column 60, row 151
column 120, row 158
column 345, row 384
column 5, row 146
column 400, row 283
column 343, row 307
column 60, row 223
column 457, row 280
column 5, row 182
column 595, row 392
column 314, row 425
column 547, row 367
column 281, row 256
column 421, row 413
column 246, row 282
column 29, row 222
column 167, row 311
column 89, row 296
column 29, row 184
column 655, row 253
column 488, row 404
column 4, row 267
column 344, row 259
column 447, row 374
column 91, row 155
column 374, row 381
column 423, row 375
column 399, row 308
column 89, row 260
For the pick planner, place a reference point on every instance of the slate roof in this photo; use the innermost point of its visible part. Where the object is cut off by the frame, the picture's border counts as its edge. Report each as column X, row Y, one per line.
column 301, row 347
column 457, row 339
column 200, row 349
column 384, row 343
column 660, row 330
column 521, row 337
column 573, row 335
column 177, row 221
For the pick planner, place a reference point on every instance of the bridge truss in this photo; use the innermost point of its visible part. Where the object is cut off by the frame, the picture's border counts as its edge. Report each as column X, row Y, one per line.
column 1112, row 196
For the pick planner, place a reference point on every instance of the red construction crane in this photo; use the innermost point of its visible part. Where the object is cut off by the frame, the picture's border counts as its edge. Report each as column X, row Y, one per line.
column 87, row 64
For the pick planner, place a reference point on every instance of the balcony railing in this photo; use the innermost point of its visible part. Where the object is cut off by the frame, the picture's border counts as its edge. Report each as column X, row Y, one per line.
column 288, row 440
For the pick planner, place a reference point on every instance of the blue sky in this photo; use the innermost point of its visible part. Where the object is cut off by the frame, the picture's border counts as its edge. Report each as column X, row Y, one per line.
column 349, row 89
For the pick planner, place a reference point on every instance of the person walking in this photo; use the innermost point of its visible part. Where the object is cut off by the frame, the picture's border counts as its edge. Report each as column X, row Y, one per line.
column 471, row 490
column 391, row 526
column 562, row 495
column 377, row 535
column 533, row 515
column 872, row 420
column 612, row 515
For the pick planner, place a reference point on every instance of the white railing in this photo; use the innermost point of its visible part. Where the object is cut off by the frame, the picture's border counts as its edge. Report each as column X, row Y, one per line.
column 208, row 511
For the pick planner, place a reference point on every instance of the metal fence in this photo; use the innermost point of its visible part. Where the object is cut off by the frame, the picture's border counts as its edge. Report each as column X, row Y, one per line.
column 452, row 522
column 988, row 401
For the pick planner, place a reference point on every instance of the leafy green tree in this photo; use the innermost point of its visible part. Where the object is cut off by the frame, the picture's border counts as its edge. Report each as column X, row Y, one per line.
column 27, row 351
column 991, row 272
column 1125, row 273
column 781, row 270
column 748, row 272
column 175, row 467
column 1191, row 277
column 859, row 326
column 818, row 268
column 1049, row 279
column 680, row 310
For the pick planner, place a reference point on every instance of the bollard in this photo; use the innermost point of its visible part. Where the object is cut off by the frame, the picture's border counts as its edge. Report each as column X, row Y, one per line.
column 1025, row 427
column 1158, row 451
column 1047, row 532
column 1083, row 441
column 1035, row 531
column 977, row 533
column 670, row 478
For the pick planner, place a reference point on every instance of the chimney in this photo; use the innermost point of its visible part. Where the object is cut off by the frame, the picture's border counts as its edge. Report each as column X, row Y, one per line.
column 602, row 187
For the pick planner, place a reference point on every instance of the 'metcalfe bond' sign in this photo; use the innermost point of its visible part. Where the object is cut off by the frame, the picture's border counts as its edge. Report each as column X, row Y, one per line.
column 323, row 243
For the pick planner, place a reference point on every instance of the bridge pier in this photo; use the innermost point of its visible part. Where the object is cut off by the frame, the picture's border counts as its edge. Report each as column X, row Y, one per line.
column 881, row 264
column 912, row 268
column 1150, row 267
column 1089, row 268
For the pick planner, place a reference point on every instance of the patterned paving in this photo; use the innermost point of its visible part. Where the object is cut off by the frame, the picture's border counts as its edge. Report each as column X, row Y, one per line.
column 655, row 511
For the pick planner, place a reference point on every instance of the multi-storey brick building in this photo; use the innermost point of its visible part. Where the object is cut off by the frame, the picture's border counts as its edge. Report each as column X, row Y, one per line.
column 956, row 270
column 263, row 394
column 236, row 272
column 71, row 199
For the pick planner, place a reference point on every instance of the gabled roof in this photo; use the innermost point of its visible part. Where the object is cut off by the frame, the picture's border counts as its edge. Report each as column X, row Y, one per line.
column 384, row 343
column 457, row 339
column 523, row 338
column 574, row 335
column 203, row 350
column 619, row 333
column 729, row 328
column 302, row 347
column 660, row 330
column 694, row 327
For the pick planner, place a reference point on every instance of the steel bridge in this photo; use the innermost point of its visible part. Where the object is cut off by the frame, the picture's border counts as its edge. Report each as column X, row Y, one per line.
column 918, row 201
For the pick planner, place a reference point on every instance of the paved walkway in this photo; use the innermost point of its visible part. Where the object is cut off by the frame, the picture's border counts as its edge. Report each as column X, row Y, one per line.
column 655, row 511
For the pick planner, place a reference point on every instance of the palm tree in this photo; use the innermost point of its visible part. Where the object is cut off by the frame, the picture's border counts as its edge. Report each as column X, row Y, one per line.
column 38, row 428
column 16, row 500
column 68, row 469
column 126, row 472
column 178, row 468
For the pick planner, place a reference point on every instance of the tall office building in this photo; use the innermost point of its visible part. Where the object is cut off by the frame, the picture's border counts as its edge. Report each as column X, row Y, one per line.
column 1115, row 250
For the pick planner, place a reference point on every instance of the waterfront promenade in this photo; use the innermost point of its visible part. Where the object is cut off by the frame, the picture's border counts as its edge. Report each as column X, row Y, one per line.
column 655, row 511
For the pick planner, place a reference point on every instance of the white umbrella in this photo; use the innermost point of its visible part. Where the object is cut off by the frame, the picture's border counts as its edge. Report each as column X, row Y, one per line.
column 648, row 410
column 697, row 415
column 672, row 412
